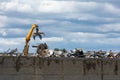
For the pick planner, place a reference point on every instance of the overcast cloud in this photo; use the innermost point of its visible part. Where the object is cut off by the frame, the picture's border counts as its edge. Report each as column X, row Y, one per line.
column 87, row 24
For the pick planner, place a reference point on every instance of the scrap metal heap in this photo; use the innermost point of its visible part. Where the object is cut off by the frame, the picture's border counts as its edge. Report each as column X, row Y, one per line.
column 42, row 50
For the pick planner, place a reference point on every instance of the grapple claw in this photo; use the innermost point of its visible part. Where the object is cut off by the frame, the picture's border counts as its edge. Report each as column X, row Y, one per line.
column 38, row 34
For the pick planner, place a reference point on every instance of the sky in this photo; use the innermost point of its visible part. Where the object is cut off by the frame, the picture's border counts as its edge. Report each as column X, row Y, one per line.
column 69, row 24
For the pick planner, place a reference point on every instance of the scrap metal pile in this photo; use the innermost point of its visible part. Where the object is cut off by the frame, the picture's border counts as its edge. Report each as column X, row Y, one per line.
column 43, row 51
column 78, row 52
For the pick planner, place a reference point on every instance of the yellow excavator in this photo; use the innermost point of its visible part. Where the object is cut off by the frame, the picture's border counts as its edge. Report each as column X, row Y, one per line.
column 28, row 36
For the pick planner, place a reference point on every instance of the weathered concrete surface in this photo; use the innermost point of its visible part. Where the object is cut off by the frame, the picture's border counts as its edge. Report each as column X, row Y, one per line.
column 35, row 68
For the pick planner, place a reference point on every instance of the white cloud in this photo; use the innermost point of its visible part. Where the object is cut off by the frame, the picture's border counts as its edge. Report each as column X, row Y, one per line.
column 3, row 33
column 1, row 50
column 20, row 42
column 17, row 31
column 80, row 40
column 49, row 39
column 15, row 6
column 53, row 39
column 109, row 41
column 109, row 27
column 94, row 38
column 13, row 32
column 109, row 8
column 65, row 6
column 61, row 16
column 53, row 6
column 3, row 20
column 68, row 9
column 11, row 41
column 86, row 35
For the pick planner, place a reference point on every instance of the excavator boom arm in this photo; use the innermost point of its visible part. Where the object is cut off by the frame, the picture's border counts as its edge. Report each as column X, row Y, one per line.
column 27, row 38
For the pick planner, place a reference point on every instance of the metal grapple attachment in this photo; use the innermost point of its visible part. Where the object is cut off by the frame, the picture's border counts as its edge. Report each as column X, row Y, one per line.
column 37, row 33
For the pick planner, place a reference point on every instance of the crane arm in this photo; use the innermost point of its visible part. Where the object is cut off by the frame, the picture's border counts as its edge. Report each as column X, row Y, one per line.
column 27, row 38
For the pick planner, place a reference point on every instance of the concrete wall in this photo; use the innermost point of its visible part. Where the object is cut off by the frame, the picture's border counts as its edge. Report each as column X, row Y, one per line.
column 35, row 68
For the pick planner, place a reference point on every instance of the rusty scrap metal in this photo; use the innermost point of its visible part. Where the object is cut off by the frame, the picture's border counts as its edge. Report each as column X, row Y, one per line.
column 42, row 49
